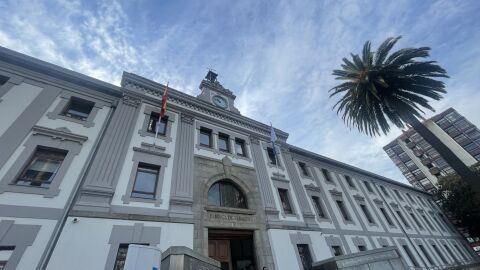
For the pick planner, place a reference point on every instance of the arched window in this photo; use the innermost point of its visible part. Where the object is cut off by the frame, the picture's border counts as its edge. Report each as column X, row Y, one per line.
column 226, row 194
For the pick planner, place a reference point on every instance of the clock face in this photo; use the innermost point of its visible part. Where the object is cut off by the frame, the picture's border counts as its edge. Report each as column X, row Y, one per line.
column 220, row 101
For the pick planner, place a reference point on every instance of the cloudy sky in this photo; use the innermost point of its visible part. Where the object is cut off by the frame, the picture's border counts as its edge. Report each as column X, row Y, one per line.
column 276, row 56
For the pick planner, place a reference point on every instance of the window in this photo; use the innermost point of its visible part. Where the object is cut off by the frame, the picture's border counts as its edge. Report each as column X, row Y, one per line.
column 459, row 251
column 425, row 253
column 337, row 250
column 438, row 223
column 78, row 108
column 3, row 80
column 326, row 175
column 122, row 256
column 349, row 181
column 416, row 221
column 368, row 186
column 428, row 223
column 226, row 194
column 384, row 191
column 153, row 123
column 240, row 147
column 318, row 206
column 303, row 168
column 284, row 199
column 439, row 254
column 146, row 179
column 5, row 253
column 205, row 137
column 343, row 210
column 271, row 156
column 367, row 214
column 449, row 251
column 362, row 248
column 223, row 142
column 398, row 195
column 386, row 216
column 305, row 256
column 410, row 198
column 410, row 255
column 42, row 167
column 402, row 218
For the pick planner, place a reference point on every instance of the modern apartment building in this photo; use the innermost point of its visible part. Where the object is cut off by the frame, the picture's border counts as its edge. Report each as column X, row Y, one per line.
column 420, row 162
column 82, row 176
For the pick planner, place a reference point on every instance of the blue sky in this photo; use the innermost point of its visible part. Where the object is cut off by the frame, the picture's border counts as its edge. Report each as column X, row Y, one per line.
column 276, row 56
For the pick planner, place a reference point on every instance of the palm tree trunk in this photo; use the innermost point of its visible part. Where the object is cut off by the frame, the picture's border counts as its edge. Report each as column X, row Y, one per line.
column 461, row 168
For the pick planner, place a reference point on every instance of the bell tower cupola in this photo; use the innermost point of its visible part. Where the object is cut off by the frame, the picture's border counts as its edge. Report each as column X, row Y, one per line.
column 214, row 93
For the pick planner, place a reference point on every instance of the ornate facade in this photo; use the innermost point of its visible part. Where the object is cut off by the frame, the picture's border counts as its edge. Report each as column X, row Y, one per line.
column 82, row 176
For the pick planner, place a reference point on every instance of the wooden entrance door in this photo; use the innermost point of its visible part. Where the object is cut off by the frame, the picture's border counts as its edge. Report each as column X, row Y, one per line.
column 220, row 251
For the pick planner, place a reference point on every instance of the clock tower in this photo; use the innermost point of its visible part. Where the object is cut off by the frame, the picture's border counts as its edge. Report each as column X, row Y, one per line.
column 214, row 93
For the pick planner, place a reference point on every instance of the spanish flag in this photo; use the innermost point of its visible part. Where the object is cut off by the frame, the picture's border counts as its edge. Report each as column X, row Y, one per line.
column 163, row 109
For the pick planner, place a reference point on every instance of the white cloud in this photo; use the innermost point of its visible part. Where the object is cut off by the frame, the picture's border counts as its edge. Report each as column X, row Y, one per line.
column 277, row 57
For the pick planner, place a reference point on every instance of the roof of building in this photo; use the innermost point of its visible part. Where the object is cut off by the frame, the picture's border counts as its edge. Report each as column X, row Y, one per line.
column 39, row 66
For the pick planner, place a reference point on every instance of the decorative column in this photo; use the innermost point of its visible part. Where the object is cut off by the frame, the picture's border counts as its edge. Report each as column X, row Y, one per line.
column 181, row 194
column 308, row 215
column 102, row 177
column 263, row 180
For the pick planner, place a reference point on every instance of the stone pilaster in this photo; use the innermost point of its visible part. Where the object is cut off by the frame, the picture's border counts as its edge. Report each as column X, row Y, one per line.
column 181, row 194
column 263, row 180
column 102, row 177
column 308, row 215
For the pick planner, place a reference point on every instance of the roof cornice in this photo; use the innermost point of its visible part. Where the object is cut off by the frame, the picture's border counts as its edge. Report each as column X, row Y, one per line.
column 55, row 71
column 137, row 83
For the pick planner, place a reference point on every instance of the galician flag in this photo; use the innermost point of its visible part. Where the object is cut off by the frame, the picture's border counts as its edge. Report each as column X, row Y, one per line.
column 273, row 139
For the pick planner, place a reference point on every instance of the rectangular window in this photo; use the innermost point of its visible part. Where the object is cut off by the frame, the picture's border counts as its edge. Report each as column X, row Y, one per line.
column 303, row 168
column 410, row 198
column 305, row 256
column 459, row 251
column 416, row 221
column 42, row 167
column 122, row 256
column 146, row 180
column 368, row 186
column 425, row 253
column 398, row 195
column 318, row 206
column 384, row 191
column 223, row 142
column 386, row 216
column 438, row 223
column 362, row 248
column 449, row 251
column 326, row 175
column 410, row 255
column 402, row 218
column 285, row 200
column 343, row 210
column 428, row 223
column 78, row 108
column 205, row 137
column 367, row 214
column 153, row 123
column 337, row 250
column 271, row 156
column 349, row 181
column 440, row 254
column 240, row 147
column 5, row 254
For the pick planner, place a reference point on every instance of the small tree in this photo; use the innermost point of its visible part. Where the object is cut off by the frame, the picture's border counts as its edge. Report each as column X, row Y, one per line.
column 458, row 199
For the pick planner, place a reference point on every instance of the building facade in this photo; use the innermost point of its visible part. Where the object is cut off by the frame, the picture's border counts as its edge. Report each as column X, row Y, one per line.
column 421, row 164
column 82, row 176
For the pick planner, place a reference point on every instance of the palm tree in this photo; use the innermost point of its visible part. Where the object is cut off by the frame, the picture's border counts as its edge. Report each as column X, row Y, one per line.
column 381, row 88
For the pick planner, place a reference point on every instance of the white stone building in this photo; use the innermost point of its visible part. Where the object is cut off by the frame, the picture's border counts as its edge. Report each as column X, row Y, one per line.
column 80, row 179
